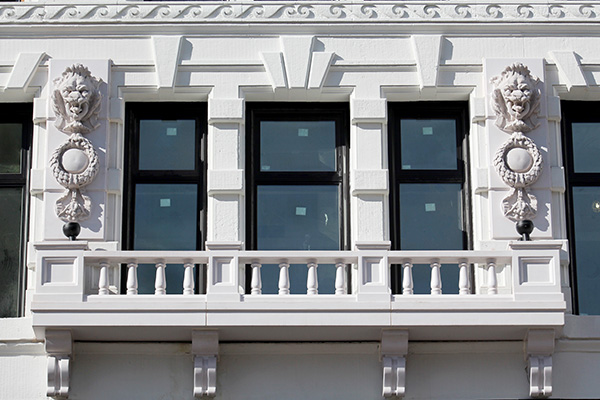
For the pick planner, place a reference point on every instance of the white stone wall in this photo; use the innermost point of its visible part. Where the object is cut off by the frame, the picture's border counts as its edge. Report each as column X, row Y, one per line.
column 363, row 56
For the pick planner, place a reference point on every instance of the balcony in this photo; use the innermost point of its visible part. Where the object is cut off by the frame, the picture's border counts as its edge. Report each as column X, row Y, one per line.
column 501, row 295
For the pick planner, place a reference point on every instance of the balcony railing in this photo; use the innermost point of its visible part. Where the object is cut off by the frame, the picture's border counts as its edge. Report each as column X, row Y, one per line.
column 500, row 294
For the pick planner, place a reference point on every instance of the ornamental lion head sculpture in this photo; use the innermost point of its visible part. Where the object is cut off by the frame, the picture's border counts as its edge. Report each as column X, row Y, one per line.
column 76, row 100
column 516, row 99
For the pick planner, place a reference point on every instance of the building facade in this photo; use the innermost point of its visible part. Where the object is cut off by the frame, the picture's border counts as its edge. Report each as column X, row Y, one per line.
column 293, row 200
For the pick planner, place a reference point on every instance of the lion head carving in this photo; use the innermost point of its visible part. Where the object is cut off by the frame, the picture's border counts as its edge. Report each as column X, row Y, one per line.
column 516, row 99
column 76, row 100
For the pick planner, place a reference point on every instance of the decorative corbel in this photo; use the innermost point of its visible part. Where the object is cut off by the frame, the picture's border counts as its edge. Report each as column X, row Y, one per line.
column 205, row 347
column 392, row 353
column 539, row 346
column 516, row 102
column 59, row 347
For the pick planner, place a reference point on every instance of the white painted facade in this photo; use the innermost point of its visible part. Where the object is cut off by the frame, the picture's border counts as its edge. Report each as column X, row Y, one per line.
column 511, row 335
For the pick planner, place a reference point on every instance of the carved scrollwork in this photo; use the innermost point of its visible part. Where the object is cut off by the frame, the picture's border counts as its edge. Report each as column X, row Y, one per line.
column 516, row 99
column 76, row 100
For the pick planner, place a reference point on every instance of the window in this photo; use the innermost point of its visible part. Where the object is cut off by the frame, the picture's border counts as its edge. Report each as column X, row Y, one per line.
column 581, row 145
column 427, row 153
column 165, row 190
column 297, row 163
column 15, row 137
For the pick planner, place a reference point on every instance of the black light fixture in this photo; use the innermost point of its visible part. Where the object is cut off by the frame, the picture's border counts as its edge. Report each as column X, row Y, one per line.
column 71, row 230
column 524, row 228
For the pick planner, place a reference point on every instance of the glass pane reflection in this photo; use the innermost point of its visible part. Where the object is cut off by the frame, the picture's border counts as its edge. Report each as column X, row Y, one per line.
column 586, row 146
column 303, row 217
column 11, row 201
column 428, row 144
column 586, row 218
column 167, row 145
column 165, row 219
column 10, row 150
column 297, row 146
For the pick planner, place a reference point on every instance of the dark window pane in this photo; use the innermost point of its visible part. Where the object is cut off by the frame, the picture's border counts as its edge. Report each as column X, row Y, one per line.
column 298, row 218
column 297, row 146
column 586, row 146
column 586, row 218
column 11, row 200
column 10, row 150
column 167, row 145
column 430, row 216
column 165, row 219
column 428, row 144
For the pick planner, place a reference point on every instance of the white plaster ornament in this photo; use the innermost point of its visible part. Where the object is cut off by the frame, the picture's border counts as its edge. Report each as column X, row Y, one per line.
column 516, row 102
column 76, row 103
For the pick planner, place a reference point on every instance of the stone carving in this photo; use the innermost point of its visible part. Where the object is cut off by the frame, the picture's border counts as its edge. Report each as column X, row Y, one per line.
column 76, row 100
column 74, row 165
column 245, row 11
column 516, row 99
column 516, row 102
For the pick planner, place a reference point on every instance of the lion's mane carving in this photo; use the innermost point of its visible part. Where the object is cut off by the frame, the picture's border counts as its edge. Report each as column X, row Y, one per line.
column 516, row 99
column 76, row 100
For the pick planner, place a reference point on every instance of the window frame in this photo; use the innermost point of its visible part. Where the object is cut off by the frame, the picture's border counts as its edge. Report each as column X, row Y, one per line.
column 261, row 111
column 21, row 113
column 575, row 111
column 135, row 112
column 457, row 110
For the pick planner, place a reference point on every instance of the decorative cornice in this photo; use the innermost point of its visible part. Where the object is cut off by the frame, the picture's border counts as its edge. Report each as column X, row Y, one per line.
column 314, row 12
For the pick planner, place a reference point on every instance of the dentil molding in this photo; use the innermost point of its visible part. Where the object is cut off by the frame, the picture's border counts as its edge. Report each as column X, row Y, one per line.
column 281, row 11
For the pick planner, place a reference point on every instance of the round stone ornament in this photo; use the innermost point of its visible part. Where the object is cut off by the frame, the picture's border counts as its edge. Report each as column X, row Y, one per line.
column 75, row 161
column 519, row 159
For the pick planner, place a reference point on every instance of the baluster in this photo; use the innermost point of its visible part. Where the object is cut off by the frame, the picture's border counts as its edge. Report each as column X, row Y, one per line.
column 132, row 281
column 188, row 278
column 340, row 279
column 284, row 278
column 436, row 278
column 312, row 282
column 103, row 282
column 492, row 281
column 160, row 283
column 256, row 282
column 407, row 279
column 463, row 278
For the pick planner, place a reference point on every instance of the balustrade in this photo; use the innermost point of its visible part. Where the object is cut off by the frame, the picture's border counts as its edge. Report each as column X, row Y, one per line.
column 436, row 261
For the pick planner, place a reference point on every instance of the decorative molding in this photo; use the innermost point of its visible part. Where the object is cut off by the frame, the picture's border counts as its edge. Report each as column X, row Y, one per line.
column 393, row 351
column 24, row 70
column 539, row 347
column 76, row 103
column 59, row 347
column 280, row 11
column 516, row 102
column 516, row 99
column 76, row 100
column 205, row 347
column 427, row 54
column 166, row 59
column 297, row 66
column 569, row 68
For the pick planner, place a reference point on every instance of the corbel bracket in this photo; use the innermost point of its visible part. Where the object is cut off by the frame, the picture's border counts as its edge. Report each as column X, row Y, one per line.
column 392, row 352
column 539, row 347
column 205, row 347
column 59, row 347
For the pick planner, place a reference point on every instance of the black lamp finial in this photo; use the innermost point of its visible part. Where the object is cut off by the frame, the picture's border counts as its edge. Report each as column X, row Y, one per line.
column 524, row 228
column 71, row 230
